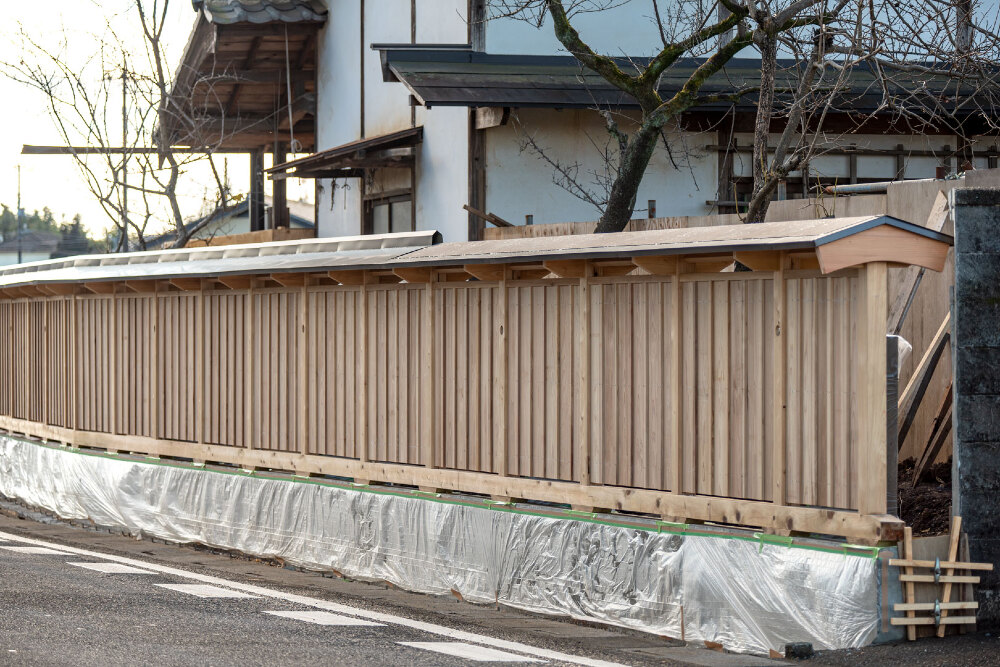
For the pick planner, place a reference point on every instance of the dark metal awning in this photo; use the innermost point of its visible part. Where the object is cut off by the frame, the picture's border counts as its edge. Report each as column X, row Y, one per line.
column 449, row 75
column 455, row 75
column 395, row 149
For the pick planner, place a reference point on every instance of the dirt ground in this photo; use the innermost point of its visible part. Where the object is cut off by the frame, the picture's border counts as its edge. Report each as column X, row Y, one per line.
column 981, row 648
column 926, row 507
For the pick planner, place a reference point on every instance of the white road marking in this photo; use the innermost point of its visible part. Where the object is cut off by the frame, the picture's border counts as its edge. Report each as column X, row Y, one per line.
column 335, row 607
column 35, row 551
column 323, row 618
column 111, row 568
column 203, row 591
column 469, row 651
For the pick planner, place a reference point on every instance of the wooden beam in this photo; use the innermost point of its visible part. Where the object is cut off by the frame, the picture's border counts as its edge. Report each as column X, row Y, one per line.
column 491, row 218
column 914, row 274
column 883, row 244
column 929, row 620
column 569, row 268
column 930, row 606
column 764, row 260
column 236, row 282
column 909, row 400
column 100, row 287
column 529, row 273
column 868, row 528
column 488, row 273
column 658, row 265
column 141, row 286
column 348, row 277
column 415, row 274
column 290, row 279
column 186, row 284
column 709, row 263
column 612, row 269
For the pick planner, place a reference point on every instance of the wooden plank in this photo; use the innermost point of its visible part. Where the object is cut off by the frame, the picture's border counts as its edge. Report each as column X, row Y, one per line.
column 956, row 533
column 939, row 433
column 953, row 620
column 931, row 606
column 944, row 579
column 183, row 284
column 947, row 564
column 912, row 275
column 909, row 400
column 870, row 470
column 236, row 282
column 290, row 279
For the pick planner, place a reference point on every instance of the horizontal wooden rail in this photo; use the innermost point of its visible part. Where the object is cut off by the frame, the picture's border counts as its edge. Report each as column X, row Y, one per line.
column 738, row 398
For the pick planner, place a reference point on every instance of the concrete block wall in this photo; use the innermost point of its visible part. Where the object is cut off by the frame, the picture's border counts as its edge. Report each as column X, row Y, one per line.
column 976, row 360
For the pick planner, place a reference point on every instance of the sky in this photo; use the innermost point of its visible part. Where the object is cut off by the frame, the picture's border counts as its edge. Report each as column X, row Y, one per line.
column 54, row 181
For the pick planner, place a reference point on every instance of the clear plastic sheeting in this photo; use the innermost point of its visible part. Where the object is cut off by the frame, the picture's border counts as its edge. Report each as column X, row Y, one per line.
column 748, row 595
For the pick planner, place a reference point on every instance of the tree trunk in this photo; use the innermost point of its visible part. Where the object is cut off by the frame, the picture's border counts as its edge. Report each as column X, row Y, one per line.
column 636, row 158
column 768, row 45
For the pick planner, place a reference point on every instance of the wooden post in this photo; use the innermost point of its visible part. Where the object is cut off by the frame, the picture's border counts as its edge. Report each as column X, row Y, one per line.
column 154, row 350
column 248, row 368
column 362, row 386
column 199, row 368
column 74, row 391
column 45, row 362
column 427, row 370
column 303, row 407
column 870, row 463
column 676, row 371
column 115, row 345
column 778, row 397
column 501, row 407
column 909, row 594
column 583, row 369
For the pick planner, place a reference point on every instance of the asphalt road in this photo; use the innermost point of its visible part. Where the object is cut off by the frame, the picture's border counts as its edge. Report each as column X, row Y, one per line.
column 70, row 596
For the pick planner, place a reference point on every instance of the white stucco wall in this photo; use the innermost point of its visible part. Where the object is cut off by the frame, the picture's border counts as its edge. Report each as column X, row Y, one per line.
column 339, row 114
column 629, row 26
column 519, row 183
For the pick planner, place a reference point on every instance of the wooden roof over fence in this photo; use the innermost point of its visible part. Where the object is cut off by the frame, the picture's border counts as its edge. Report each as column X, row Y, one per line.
column 828, row 245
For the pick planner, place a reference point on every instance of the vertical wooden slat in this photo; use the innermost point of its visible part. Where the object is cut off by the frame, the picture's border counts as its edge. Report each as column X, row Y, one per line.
column 428, row 384
column 778, row 388
column 676, row 461
column 583, row 360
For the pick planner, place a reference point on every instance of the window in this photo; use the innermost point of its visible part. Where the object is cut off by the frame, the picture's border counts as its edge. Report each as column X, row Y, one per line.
column 388, row 213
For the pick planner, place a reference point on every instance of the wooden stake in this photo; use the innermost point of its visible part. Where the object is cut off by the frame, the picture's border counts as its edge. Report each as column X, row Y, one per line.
column 956, row 532
column 908, row 590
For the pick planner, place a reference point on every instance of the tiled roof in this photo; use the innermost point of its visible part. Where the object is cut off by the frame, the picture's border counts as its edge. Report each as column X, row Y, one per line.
column 225, row 12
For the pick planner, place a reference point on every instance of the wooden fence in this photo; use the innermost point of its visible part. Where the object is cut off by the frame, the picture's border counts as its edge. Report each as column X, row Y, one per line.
column 749, row 398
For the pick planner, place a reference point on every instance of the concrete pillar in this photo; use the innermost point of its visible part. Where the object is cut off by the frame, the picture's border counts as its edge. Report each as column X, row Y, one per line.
column 976, row 356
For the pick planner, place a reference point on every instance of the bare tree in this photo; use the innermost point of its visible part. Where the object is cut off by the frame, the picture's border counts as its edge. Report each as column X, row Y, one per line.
column 112, row 103
column 924, row 67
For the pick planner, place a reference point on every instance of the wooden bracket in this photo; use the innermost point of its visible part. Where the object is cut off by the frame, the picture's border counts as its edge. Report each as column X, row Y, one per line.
column 349, row 277
column 415, row 274
column 569, row 268
column 487, row 272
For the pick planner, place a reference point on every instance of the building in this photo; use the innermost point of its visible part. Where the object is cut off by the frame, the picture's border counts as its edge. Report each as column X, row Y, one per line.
column 235, row 221
column 32, row 246
column 413, row 111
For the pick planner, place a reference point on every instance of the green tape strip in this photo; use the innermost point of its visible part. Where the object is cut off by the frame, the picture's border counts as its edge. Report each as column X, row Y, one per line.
column 847, row 550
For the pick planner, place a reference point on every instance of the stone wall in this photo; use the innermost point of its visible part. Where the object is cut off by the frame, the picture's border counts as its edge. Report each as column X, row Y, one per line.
column 976, row 352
